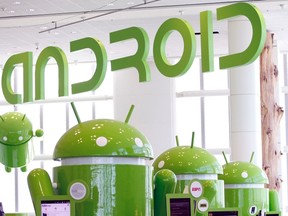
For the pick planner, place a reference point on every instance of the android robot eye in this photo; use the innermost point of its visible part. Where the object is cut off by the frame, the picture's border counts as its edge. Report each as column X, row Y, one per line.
column 20, row 138
column 4, row 138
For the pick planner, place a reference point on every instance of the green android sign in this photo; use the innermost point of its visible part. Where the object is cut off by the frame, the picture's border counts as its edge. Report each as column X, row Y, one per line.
column 139, row 59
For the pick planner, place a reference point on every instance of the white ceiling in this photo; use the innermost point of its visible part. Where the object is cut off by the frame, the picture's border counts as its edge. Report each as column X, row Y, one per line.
column 22, row 21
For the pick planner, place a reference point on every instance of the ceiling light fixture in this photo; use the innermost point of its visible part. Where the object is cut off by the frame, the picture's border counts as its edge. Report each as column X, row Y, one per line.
column 16, row 3
column 214, row 32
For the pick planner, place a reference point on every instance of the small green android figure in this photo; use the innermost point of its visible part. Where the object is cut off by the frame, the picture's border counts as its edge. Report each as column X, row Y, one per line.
column 196, row 171
column 16, row 133
column 103, row 169
column 245, row 188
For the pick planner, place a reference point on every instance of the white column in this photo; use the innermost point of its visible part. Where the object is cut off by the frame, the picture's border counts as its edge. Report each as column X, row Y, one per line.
column 154, row 112
column 245, row 112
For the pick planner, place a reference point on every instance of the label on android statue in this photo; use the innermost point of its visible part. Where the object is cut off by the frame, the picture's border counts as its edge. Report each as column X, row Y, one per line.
column 196, row 189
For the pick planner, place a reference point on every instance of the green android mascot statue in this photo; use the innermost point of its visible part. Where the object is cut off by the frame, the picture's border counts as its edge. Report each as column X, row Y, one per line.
column 245, row 188
column 103, row 169
column 196, row 172
column 16, row 133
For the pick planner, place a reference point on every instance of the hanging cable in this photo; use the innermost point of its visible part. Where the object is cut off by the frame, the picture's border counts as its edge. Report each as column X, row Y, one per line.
column 101, row 15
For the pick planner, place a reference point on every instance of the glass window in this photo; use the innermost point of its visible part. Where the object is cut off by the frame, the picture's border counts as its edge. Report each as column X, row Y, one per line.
column 51, row 80
column 84, row 110
column 191, row 80
column 7, row 188
column 216, row 122
column 106, row 88
column 104, row 109
column 24, row 199
column 54, row 125
column 33, row 113
column 201, row 112
column 221, row 158
column 217, row 79
column 188, row 120
column 80, row 72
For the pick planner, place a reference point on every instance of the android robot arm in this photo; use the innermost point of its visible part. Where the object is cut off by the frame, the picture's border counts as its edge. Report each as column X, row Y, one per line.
column 40, row 185
column 39, row 133
column 164, row 183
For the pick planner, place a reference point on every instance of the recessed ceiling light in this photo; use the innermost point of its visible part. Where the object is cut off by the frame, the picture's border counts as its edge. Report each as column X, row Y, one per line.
column 17, row 3
column 130, row 3
column 43, row 27
column 30, row 10
column 110, row 4
column 74, row 32
column 11, row 11
column 56, row 33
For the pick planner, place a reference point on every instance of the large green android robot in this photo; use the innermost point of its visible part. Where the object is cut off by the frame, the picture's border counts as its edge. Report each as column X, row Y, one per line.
column 190, row 164
column 16, row 133
column 245, row 188
column 102, row 169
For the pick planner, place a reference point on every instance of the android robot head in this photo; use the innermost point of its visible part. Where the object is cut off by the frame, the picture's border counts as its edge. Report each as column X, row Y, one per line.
column 103, row 168
column 194, row 166
column 245, row 187
column 16, row 134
